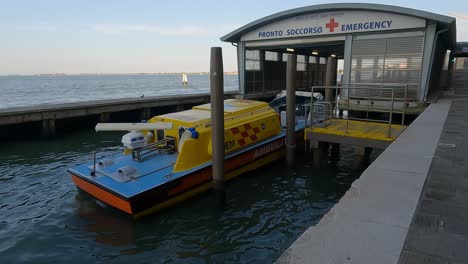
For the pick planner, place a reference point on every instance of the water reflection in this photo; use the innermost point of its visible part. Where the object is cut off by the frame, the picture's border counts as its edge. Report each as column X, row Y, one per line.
column 106, row 226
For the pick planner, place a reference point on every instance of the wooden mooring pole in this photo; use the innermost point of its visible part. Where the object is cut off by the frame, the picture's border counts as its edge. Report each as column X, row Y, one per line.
column 291, row 109
column 330, row 80
column 217, row 120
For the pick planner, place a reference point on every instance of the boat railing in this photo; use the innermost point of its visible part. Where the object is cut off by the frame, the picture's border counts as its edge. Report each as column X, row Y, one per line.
column 164, row 145
column 339, row 105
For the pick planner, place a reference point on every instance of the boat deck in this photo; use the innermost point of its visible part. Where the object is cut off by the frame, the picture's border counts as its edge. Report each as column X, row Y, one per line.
column 148, row 174
column 360, row 133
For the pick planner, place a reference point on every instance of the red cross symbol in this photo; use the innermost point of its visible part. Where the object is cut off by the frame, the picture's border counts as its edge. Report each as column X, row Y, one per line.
column 332, row 25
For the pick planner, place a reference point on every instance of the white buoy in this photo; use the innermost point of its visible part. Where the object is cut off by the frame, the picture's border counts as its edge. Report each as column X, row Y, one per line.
column 184, row 79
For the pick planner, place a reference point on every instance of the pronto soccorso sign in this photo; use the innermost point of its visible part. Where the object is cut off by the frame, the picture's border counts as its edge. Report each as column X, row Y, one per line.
column 333, row 23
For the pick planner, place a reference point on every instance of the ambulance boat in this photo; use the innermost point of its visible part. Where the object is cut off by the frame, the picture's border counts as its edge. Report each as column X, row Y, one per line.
column 168, row 159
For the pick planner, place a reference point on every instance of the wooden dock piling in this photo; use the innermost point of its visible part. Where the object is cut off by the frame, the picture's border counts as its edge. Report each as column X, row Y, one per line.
column 291, row 109
column 217, row 120
column 330, row 79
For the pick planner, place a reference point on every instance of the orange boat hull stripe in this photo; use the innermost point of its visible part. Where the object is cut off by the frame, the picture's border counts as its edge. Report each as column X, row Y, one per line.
column 102, row 195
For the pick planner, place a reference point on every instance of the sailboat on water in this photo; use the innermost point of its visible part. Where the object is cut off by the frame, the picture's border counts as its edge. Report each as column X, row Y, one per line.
column 184, row 79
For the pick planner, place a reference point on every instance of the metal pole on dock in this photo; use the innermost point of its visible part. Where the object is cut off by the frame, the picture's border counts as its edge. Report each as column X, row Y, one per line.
column 291, row 109
column 217, row 120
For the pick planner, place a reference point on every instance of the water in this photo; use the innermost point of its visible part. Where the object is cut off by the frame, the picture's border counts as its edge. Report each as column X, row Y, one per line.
column 44, row 219
column 18, row 91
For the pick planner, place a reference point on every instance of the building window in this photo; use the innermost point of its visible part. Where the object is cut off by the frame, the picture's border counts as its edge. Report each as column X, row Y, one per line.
column 252, row 60
column 388, row 60
column 323, row 60
column 312, row 59
column 301, row 63
column 254, row 71
column 285, row 57
column 271, row 56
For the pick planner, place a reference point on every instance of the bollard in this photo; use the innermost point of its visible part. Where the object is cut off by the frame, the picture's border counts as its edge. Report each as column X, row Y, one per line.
column 291, row 109
column 217, row 121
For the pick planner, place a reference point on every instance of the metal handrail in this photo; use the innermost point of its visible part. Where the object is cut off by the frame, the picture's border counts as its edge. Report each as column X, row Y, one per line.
column 368, row 87
column 394, row 85
column 325, row 111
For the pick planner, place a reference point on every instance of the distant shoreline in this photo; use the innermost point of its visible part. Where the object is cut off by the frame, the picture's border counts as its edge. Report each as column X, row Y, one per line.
column 112, row 74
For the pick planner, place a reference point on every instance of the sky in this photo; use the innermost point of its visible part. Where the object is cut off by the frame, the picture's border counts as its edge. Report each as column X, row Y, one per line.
column 143, row 36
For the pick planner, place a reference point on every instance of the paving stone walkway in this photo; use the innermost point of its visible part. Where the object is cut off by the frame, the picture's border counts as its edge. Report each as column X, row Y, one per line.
column 439, row 229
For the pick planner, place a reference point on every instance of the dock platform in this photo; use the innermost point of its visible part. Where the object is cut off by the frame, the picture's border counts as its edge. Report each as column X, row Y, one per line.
column 357, row 133
column 19, row 115
column 371, row 222
column 44, row 117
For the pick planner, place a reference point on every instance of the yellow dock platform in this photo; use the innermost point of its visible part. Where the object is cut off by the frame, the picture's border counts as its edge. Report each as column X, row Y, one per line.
column 359, row 133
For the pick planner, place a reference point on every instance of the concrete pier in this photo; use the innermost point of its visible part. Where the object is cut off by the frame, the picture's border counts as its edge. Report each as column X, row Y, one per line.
column 45, row 117
column 371, row 221
column 439, row 230
column 18, row 115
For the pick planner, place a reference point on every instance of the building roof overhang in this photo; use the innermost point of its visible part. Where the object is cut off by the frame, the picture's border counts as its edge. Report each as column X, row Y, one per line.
column 443, row 22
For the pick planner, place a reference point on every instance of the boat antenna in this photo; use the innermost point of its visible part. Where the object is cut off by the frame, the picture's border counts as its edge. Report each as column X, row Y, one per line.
column 93, row 173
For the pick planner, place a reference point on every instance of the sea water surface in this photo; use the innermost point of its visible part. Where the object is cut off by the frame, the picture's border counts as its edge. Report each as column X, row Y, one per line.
column 44, row 219
column 16, row 91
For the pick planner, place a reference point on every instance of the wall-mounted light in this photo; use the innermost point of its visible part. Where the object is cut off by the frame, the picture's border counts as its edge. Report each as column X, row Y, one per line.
column 289, row 49
column 315, row 53
column 333, row 55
